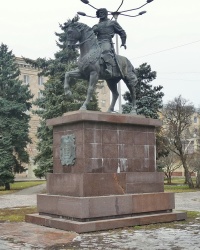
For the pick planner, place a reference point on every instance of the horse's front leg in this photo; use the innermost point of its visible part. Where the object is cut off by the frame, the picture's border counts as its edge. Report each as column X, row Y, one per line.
column 112, row 84
column 68, row 76
column 94, row 76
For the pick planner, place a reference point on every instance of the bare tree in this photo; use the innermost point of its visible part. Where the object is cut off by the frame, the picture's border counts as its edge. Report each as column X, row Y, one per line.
column 194, row 165
column 169, row 163
column 161, row 143
column 177, row 120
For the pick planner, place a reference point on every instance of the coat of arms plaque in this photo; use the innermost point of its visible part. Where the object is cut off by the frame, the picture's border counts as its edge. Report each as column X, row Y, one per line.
column 68, row 150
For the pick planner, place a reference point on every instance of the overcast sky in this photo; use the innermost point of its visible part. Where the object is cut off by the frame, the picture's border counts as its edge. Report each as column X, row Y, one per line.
column 167, row 37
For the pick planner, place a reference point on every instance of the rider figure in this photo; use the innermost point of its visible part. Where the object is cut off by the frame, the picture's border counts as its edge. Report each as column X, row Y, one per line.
column 105, row 30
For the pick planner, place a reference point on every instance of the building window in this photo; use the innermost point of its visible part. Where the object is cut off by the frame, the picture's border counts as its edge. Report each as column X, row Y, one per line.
column 195, row 119
column 26, row 79
column 40, row 80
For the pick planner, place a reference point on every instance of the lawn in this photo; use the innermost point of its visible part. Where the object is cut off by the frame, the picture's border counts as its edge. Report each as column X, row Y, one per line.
column 19, row 185
column 15, row 214
column 178, row 186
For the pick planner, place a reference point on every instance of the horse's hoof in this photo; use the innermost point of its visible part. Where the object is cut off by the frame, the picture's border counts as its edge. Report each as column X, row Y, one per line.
column 133, row 112
column 68, row 93
column 82, row 108
column 110, row 110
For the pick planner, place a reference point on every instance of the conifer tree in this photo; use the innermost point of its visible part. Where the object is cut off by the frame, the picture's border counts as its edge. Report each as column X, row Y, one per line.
column 54, row 102
column 149, row 98
column 14, row 120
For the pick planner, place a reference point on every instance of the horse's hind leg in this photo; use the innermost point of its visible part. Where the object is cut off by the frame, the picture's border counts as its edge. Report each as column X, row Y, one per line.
column 131, row 83
column 68, row 76
column 112, row 84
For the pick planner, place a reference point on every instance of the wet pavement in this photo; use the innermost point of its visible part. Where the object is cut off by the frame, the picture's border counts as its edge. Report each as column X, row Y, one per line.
column 174, row 236
column 28, row 236
column 157, row 239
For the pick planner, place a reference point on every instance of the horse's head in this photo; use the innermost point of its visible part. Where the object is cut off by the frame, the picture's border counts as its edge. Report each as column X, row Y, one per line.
column 73, row 36
column 76, row 31
column 73, row 32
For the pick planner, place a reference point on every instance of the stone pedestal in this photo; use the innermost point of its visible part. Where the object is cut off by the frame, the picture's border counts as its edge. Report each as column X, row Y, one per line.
column 104, row 174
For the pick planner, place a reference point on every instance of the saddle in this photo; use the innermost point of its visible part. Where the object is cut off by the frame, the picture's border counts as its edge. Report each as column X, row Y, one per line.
column 108, row 61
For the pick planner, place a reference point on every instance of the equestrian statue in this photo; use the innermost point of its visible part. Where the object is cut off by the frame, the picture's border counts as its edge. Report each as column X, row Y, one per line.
column 98, row 59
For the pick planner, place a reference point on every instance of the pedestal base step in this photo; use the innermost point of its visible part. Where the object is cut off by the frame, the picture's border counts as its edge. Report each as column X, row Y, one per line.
column 98, row 225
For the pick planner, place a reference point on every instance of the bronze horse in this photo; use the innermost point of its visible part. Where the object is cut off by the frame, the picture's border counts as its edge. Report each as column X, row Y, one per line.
column 90, row 67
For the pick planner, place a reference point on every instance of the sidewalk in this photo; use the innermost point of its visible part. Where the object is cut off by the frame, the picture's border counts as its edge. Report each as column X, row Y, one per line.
column 25, row 197
column 188, row 201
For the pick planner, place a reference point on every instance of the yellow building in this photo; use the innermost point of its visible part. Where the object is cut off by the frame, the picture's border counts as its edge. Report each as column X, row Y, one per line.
column 29, row 75
column 103, row 94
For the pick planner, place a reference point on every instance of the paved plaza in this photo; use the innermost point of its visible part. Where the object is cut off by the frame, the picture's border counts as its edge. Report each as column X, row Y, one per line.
column 24, row 236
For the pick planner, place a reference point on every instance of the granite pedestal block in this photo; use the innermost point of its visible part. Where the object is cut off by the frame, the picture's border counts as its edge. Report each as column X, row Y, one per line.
column 109, row 179
column 93, row 184
column 106, row 143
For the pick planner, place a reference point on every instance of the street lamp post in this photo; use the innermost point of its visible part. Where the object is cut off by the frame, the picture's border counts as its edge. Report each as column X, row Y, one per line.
column 115, row 16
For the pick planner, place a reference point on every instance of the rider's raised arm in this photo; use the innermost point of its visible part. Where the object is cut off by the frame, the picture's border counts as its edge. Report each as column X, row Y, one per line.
column 121, row 32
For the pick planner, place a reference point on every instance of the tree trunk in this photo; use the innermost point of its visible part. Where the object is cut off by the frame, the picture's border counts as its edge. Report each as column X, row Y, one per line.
column 169, row 180
column 185, row 182
column 7, row 186
column 189, row 179
column 198, row 179
column 187, row 174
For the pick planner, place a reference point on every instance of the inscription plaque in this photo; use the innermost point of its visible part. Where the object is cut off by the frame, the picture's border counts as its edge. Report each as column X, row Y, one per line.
column 68, row 150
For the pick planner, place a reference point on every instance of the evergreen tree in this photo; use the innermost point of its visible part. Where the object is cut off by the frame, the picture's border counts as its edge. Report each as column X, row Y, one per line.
column 54, row 102
column 149, row 98
column 14, row 120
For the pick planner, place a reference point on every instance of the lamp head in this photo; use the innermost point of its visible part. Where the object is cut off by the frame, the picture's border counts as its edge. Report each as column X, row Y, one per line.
column 142, row 12
column 85, row 1
column 81, row 13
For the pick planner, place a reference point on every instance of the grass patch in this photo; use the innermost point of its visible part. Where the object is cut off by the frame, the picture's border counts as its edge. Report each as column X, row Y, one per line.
column 178, row 186
column 16, row 214
column 193, row 214
column 178, row 180
column 19, row 185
